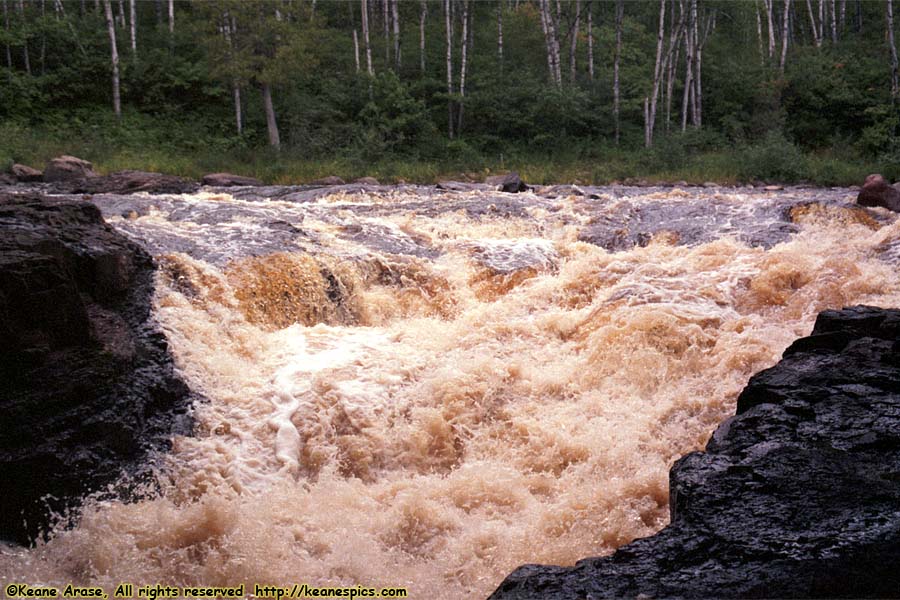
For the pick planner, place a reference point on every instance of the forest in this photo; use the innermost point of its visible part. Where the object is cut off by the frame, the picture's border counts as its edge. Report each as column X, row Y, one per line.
column 414, row 90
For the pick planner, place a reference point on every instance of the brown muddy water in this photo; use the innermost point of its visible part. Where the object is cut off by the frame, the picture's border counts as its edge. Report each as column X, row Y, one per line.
column 421, row 388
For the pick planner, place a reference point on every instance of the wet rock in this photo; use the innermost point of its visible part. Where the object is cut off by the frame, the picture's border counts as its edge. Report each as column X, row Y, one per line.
column 556, row 191
column 7, row 179
column 129, row 182
column 64, row 168
column 458, row 186
column 510, row 183
column 796, row 496
column 26, row 174
column 877, row 192
column 367, row 181
column 88, row 385
column 330, row 180
column 228, row 180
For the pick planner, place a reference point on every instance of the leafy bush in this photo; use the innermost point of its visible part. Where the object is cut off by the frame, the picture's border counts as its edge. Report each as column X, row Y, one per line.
column 774, row 158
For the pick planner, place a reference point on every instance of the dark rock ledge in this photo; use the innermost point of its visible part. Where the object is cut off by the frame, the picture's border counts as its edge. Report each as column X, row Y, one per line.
column 797, row 496
column 87, row 386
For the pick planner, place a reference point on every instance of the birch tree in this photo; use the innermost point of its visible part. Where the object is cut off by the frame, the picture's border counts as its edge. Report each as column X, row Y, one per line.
column 893, row 48
column 784, row 35
column 463, row 63
column 364, row 5
column 423, row 12
column 448, row 18
column 114, row 57
column 573, row 41
column 132, row 9
column 549, row 22
column 590, row 39
column 500, row 34
column 396, row 19
column 9, row 63
column 620, row 14
column 650, row 107
column 816, row 29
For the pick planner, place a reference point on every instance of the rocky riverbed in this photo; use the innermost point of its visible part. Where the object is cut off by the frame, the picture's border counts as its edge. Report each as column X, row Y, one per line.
column 413, row 386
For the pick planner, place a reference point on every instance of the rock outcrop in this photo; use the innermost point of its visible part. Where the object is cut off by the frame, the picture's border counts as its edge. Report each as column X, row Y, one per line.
column 64, row 168
column 88, row 386
column 26, row 174
column 877, row 192
column 330, row 180
column 510, row 183
column 128, row 182
column 229, row 180
column 796, row 496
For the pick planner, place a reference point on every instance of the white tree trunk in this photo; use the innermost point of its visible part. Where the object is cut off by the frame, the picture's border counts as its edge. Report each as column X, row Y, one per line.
column 132, row 10
column 114, row 57
column 771, row 22
column 238, row 113
column 785, row 34
column 834, row 34
column 650, row 115
column 271, row 123
column 366, row 40
column 590, row 39
column 396, row 18
column 171, row 17
column 356, row 50
column 893, row 47
column 812, row 23
column 386, row 22
column 422, row 14
column 463, row 60
column 449, row 26
column 759, row 35
column 573, row 42
column 9, row 63
column 500, row 33
column 620, row 13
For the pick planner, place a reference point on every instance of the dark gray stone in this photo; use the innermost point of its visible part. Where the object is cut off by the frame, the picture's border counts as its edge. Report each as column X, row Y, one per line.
column 229, row 179
column 64, row 168
column 876, row 192
column 88, row 386
column 796, row 496
column 128, row 182
column 26, row 174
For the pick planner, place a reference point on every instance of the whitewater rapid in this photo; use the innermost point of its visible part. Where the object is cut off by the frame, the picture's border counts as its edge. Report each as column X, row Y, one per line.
column 425, row 389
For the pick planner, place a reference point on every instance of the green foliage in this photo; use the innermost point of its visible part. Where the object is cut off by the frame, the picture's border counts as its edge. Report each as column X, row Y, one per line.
column 827, row 118
column 774, row 158
column 393, row 121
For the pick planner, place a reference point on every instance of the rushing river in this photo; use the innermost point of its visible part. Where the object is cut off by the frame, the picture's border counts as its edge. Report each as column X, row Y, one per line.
column 413, row 387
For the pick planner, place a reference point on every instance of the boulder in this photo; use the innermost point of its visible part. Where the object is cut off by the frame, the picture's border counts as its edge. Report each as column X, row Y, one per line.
column 367, row 181
column 128, row 182
column 511, row 182
column 796, row 496
column 876, row 192
column 26, row 174
column 89, row 387
column 64, row 168
column 7, row 179
column 330, row 180
column 229, row 180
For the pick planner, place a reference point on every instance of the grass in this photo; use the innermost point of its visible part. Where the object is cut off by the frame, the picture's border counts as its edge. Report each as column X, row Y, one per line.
column 771, row 161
